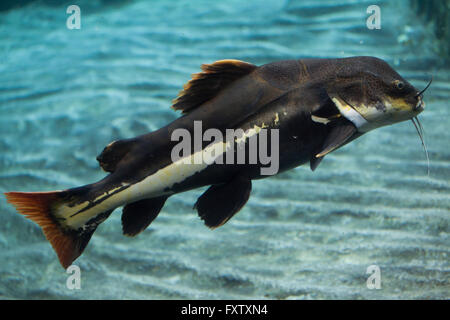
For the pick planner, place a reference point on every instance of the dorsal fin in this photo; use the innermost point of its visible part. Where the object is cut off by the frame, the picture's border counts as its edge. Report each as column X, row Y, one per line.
column 207, row 84
column 113, row 153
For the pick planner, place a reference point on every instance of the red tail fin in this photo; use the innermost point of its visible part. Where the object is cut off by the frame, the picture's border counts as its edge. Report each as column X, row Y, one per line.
column 37, row 206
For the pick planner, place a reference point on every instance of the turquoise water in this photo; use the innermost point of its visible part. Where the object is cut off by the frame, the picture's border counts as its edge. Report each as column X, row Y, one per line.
column 65, row 94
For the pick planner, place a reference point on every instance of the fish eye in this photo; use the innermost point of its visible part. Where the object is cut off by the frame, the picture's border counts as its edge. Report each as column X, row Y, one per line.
column 399, row 84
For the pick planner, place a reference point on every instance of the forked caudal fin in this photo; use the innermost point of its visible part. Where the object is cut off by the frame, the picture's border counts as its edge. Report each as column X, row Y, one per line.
column 44, row 208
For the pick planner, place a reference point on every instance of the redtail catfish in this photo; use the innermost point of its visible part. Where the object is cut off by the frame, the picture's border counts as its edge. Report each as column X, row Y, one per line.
column 308, row 107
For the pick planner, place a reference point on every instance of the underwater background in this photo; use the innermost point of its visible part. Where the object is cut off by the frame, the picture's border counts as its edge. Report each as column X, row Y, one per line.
column 65, row 94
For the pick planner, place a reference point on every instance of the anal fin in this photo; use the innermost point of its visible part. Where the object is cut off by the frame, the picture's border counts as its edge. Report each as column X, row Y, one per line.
column 137, row 216
column 221, row 202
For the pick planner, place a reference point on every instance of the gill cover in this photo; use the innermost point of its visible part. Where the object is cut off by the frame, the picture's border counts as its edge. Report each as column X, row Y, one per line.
column 349, row 93
column 349, row 112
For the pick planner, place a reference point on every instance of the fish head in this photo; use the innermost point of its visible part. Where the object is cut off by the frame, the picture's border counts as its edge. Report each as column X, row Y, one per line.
column 369, row 93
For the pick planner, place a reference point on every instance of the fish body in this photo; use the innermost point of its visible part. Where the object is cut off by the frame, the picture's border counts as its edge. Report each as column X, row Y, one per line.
column 297, row 111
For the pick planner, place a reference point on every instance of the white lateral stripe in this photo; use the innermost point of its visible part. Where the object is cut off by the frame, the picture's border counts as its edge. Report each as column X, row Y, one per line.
column 153, row 185
column 182, row 169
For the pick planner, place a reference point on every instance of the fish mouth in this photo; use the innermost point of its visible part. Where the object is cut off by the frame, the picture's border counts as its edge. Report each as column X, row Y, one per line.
column 420, row 106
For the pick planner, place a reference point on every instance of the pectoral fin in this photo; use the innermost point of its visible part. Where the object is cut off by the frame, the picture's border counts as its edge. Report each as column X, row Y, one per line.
column 137, row 216
column 339, row 134
column 221, row 202
column 314, row 162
